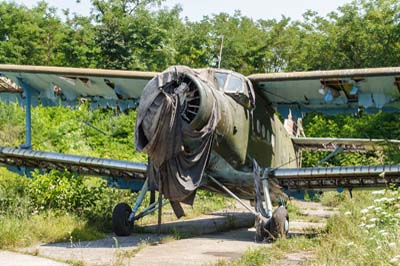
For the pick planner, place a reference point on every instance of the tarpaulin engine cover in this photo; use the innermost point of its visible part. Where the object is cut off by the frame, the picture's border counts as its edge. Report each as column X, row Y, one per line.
column 162, row 133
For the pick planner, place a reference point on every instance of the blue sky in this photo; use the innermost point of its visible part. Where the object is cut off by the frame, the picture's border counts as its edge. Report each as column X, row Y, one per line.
column 195, row 10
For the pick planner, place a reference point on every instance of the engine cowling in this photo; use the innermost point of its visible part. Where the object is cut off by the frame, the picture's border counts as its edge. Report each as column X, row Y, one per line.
column 231, row 133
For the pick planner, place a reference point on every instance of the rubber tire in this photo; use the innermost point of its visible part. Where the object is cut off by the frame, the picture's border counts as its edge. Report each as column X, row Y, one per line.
column 120, row 224
column 277, row 223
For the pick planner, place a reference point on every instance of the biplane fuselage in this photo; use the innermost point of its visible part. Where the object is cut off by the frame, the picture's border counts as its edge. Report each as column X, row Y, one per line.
column 253, row 134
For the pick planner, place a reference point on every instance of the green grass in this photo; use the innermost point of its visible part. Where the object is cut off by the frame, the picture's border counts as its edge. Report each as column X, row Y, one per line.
column 333, row 199
column 361, row 237
column 123, row 257
column 272, row 254
column 26, row 220
column 366, row 232
column 44, row 227
column 294, row 212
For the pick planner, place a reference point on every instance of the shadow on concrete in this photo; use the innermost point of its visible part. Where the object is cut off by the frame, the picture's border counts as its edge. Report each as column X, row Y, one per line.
column 110, row 241
column 216, row 224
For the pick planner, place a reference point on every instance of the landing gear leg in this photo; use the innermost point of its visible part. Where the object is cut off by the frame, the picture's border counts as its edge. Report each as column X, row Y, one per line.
column 270, row 225
column 278, row 224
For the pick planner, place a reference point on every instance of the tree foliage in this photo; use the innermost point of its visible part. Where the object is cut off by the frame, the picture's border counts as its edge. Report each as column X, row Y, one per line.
column 345, row 126
column 142, row 35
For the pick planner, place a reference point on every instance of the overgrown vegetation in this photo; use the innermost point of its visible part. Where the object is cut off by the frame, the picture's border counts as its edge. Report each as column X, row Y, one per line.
column 380, row 126
column 366, row 232
column 270, row 255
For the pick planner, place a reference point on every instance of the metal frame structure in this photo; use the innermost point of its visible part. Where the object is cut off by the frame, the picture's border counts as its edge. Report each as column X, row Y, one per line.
column 338, row 177
column 151, row 208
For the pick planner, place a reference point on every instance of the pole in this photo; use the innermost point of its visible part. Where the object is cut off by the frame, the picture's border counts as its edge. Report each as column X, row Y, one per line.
column 159, row 205
column 220, row 51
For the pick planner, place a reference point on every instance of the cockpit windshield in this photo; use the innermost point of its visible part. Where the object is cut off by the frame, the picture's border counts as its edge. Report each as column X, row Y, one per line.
column 235, row 85
column 229, row 82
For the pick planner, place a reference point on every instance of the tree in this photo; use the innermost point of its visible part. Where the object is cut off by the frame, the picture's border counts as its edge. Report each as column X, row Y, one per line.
column 130, row 36
column 29, row 36
column 357, row 35
column 78, row 47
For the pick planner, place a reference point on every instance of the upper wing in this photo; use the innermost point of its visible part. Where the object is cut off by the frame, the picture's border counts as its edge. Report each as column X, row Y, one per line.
column 331, row 91
column 52, row 85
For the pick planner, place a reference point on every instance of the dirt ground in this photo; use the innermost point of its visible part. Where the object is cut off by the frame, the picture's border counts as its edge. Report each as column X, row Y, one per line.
column 201, row 241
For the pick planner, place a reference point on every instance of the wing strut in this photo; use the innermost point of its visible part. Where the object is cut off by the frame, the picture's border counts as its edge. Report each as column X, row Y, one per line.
column 233, row 196
column 338, row 150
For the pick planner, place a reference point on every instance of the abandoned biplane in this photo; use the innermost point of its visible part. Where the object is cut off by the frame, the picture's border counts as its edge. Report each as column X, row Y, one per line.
column 210, row 129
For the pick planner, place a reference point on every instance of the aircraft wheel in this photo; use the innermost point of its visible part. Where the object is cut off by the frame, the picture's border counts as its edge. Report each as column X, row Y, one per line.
column 120, row 223
column 279, row 223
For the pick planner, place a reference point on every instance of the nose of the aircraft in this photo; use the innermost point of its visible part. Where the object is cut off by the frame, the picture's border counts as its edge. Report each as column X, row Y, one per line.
column 173, row 104
column 175, row 123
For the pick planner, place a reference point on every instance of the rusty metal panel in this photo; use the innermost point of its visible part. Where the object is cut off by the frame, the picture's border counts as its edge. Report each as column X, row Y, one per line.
column 332, row 91
column 324, row 74
column 54, row 84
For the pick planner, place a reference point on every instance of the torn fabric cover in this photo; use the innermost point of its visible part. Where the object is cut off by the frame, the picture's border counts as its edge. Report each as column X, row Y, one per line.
column 178, row 153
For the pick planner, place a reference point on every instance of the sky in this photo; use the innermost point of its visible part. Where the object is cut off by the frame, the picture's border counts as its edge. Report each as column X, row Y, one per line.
column 196, row 9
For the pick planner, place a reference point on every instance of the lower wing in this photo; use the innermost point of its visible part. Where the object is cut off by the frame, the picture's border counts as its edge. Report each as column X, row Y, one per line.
column 347, row 144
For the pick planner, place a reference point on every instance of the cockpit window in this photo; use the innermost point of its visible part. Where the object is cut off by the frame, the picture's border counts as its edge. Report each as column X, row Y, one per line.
column 235, row 85
column 229, row 82
column 221, row 78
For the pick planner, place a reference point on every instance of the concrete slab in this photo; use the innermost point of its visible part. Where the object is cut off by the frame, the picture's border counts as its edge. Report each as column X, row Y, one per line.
column 99, row 252
column 199, row 250
column 8, row 258
column 296, row 259
column 322, row 213
column 303, row 225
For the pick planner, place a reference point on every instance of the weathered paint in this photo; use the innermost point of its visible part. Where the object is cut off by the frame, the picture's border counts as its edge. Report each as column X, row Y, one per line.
column 331, row 91
column 324, row 74
column 52, row 86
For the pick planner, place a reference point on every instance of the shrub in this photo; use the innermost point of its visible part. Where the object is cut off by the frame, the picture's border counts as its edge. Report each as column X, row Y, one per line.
column 63, row 192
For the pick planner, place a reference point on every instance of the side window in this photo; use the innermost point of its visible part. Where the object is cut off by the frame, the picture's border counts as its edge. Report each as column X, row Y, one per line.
column 235, row 85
